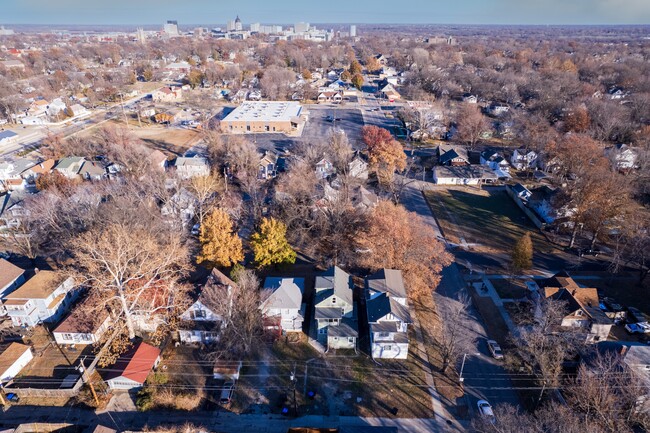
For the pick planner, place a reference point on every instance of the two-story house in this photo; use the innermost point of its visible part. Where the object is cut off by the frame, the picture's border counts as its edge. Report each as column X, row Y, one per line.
column 11, row 277
column 523, row 158
column 200, row 323
column 70, row 166
column 284, row 307
column 43, row 298
column 583, row 306
column 388, row 314
column 334, row 310
column 187, row 168
column 324, row 168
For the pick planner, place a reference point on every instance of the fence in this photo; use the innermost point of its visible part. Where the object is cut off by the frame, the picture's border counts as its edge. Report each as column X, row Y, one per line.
column 529, row 213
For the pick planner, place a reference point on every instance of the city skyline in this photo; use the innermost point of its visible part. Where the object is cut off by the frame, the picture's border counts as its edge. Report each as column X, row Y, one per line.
column 149, row 12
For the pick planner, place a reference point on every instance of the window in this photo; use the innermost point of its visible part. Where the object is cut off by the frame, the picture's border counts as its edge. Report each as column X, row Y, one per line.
column 67, row 336
column 333, row 299
column 336, row 338
column 350, row 339
column 199, row 314
column 388, row 348
column 322, row 331
column 383, row 334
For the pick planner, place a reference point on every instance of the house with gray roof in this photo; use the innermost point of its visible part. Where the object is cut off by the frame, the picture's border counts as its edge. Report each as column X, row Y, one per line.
column 335, row 313
column 284, row 308
column 187, row 168
column 388, row 314
column 70, row 166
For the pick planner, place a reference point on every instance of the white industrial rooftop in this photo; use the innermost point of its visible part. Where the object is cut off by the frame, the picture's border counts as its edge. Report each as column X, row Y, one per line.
column 261, row 111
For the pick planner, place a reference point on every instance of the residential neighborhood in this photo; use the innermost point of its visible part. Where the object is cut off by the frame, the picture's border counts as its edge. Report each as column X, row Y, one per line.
column 319, row 228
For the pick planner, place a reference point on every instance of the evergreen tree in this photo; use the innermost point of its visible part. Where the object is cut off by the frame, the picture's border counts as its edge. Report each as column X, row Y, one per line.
column 522, row 254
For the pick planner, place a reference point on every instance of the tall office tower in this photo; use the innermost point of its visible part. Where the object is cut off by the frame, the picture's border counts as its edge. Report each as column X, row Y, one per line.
column 140, row 36
column 353, row 31
column 230, row 26
column 255, row 27
column 171, row 28
column 301, row 27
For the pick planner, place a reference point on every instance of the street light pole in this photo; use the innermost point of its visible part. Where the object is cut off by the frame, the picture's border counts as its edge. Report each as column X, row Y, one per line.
column 293, row 381
column 461, row 379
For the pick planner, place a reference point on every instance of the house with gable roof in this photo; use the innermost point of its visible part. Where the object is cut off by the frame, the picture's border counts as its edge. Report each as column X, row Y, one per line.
column 583, row 306
column 200, row 323
column 335, row 312
column 131, row 369
column 283, row 310
column 388, row 314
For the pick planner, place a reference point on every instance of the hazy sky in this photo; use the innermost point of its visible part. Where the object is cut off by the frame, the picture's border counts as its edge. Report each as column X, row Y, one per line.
column 331, row 11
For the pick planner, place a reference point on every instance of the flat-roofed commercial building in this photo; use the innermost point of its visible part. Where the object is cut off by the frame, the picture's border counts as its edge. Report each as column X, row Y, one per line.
column 264, row 116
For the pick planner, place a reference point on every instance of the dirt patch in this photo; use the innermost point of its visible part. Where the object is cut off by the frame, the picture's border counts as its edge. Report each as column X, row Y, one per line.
column 172, row 140
column 494, row 323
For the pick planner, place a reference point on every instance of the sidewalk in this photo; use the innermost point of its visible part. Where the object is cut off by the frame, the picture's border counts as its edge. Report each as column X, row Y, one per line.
column 484, row 288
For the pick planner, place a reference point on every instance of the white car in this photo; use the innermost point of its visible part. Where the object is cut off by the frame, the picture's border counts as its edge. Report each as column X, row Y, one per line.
column 495, row 349
column 485, row 409
column 638, row 328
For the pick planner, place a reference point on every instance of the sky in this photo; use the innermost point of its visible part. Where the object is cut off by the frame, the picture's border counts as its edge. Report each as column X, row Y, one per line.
column 218, row 12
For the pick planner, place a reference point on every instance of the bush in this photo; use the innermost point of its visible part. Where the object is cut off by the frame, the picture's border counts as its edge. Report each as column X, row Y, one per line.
column 145, row 400
column 180, row 401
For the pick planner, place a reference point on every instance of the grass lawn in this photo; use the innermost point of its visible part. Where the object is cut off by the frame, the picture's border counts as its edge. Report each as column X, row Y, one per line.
column 495, row 325
column 508, row 289
column 346, row 384
column 487, row 219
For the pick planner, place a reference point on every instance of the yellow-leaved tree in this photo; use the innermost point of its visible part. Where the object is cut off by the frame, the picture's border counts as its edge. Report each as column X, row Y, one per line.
column 270, row 245
column 220, row 245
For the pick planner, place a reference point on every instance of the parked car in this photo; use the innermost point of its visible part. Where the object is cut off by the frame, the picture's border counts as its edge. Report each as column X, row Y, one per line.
column 638, row 328
column 226, row 392
column 495, row 349
column 485, row 409
column 196, row 229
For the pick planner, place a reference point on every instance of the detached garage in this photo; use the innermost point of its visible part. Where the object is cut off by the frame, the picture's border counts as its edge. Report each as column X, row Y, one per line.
column 132, row 367
column 13, row 359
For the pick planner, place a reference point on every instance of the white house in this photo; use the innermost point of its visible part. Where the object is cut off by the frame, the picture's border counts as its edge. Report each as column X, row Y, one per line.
column 284, row 307
column 180, row 209
column 623, row 157
column 388, row 314
column 167, row 94
column 43, row 298
column 7, row 137
column 82, row 326
column 55, row 107
column 11, row 277
column 70, row 166
column 497, row 163
column 334, row 309
column 187, row 168
column 523, row 158
column 13, row 359
column 131, row 369
column 463, row 175
column 200, row 323
column 324, row 168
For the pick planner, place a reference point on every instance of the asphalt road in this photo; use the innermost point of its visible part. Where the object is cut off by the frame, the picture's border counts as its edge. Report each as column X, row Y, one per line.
column 220, row 421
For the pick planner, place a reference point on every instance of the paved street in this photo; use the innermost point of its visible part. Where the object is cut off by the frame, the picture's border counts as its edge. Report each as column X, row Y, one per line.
column 214, row 421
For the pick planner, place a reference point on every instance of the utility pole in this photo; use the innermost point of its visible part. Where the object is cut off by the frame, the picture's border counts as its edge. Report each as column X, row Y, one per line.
column 86, row 379
column 461, row 379
column 123, row 111
column 225, row 178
